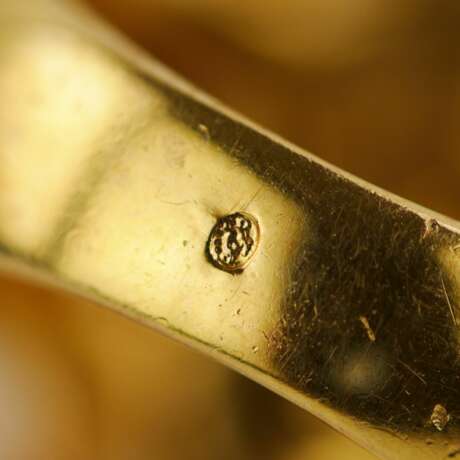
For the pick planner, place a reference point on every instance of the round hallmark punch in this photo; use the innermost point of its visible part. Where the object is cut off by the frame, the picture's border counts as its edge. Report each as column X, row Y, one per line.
column 233, row 241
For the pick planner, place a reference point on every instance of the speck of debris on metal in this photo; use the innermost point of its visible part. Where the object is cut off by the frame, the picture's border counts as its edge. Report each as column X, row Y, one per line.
column 431, row 226
column 439, row 417
column 370, row 333
column 204, row 130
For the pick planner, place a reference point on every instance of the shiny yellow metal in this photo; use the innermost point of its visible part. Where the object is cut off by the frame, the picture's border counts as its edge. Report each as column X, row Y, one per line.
column 113, row 173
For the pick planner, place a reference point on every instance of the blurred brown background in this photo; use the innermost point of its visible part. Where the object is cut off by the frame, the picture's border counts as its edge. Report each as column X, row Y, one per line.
column 369, row 85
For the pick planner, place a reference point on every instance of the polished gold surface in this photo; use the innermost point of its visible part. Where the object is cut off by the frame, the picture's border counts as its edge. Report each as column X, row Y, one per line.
column 349, row 307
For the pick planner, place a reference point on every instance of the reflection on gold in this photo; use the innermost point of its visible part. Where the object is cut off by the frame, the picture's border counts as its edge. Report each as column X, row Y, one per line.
column 53, row 126
column 154, row 230
column 363, row 372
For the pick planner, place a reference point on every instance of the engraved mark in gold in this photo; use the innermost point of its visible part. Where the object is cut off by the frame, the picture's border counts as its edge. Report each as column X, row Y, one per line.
column 233, row 241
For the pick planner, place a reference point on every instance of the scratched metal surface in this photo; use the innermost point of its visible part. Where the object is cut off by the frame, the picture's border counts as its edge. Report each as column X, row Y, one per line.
column 111, row 187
